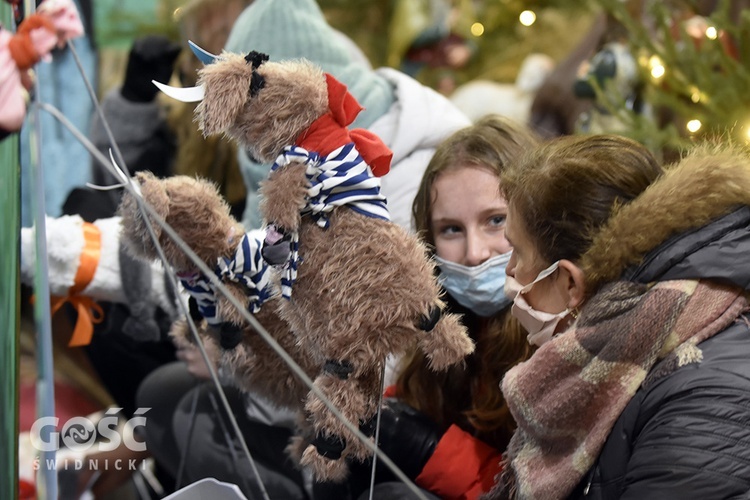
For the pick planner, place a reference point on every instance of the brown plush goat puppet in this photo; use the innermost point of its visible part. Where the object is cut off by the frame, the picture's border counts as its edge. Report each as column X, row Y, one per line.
column 355, row 286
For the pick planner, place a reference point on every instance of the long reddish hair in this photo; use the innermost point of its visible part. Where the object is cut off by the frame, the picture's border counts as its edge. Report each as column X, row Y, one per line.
column 469, row 394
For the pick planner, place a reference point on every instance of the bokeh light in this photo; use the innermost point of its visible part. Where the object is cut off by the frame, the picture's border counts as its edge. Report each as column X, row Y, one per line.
column 477, row 29
column 527, row 17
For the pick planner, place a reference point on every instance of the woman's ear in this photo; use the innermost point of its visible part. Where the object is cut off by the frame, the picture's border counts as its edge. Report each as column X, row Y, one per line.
column 576, row 283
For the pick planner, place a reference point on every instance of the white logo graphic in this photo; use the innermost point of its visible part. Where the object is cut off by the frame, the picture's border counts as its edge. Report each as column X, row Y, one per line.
column 80, row 433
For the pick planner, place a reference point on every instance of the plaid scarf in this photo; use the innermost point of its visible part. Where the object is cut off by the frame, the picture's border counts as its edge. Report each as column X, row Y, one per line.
column 567, row 397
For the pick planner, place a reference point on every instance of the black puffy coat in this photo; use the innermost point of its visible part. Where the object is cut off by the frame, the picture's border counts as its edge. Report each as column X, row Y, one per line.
column 687, row 435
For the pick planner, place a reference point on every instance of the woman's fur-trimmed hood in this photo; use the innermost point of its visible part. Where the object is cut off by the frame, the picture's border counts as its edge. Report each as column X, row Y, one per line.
column 705, row 185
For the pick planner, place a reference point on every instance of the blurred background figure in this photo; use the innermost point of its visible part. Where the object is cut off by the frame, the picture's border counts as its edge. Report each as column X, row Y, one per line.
column 479, row 98
column 64, row 160
column 134, row 114
column 434, row 36
column 208, row 24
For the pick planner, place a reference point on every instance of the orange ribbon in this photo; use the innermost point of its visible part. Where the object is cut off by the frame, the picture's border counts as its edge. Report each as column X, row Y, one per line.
column 89, row 312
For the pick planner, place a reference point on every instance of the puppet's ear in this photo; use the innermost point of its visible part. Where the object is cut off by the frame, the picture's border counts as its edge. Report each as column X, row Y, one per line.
column 135, row 231
column 225, row 94
column 154, row 192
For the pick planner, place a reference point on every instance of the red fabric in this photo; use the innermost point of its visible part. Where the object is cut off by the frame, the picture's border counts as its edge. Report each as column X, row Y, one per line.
column 461, row 468
column 344, row 107
column 324, row 135
column 390, row 392
column 26, row 490
column 372, row 149
column 69, row 402
column 329, row 132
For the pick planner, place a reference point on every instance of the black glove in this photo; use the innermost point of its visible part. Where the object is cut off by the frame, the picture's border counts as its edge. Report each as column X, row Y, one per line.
column 152, row 57
column 407, row 436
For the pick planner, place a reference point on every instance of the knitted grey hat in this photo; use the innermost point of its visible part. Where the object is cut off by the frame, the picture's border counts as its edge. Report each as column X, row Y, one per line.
column 292, row 29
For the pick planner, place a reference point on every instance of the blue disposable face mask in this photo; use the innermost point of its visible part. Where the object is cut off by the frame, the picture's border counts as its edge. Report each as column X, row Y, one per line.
column 479, row 288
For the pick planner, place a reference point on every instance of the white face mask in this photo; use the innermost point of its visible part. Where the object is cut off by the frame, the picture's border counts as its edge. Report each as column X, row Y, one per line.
column 539, row 324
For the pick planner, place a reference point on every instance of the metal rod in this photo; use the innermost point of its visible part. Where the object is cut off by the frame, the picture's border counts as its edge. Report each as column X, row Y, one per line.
column 45, row 382
column 377, row 430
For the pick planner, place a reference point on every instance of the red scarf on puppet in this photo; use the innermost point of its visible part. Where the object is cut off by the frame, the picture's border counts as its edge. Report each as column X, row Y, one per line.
column 329, row 132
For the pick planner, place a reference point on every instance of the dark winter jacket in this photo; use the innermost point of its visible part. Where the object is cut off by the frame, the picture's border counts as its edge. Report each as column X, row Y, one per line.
column 687, row 435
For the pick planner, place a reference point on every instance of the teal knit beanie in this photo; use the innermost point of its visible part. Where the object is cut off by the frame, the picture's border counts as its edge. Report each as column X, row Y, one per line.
column 291, row 29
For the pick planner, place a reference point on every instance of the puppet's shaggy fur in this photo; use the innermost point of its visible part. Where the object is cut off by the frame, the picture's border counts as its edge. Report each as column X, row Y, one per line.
column 249, row 364
column 359, row 310
column 199, row 215
column 365, row 288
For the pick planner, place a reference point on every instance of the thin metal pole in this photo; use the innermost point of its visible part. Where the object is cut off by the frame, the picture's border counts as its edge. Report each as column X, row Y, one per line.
column 45, row 382
column 10, row 237
column 377, row 431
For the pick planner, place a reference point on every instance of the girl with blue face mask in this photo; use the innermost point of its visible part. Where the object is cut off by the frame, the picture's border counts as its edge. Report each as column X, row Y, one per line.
column 460, row 213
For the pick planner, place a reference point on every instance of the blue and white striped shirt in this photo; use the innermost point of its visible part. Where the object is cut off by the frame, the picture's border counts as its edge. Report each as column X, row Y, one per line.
column 246, row 267
column 341, row 178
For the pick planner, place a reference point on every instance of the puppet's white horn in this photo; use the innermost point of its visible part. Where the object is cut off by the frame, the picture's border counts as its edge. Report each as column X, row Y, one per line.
column 186, row 94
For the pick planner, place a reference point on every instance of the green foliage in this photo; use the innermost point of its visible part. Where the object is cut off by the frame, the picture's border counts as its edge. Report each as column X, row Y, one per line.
column 505, row 42
column 383, row 28
column 705, row 77
column 119, row 22
column 366, row 22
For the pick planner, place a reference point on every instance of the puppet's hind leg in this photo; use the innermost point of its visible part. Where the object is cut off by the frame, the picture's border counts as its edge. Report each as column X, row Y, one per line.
column 355, row 395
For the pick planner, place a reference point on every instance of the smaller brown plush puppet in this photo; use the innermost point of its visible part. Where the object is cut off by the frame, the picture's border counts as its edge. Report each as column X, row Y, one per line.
column 356, row 287
column 199, row 215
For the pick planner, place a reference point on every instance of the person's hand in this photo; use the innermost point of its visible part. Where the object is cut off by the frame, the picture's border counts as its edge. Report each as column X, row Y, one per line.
column 152, row 57
column 190, row 354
